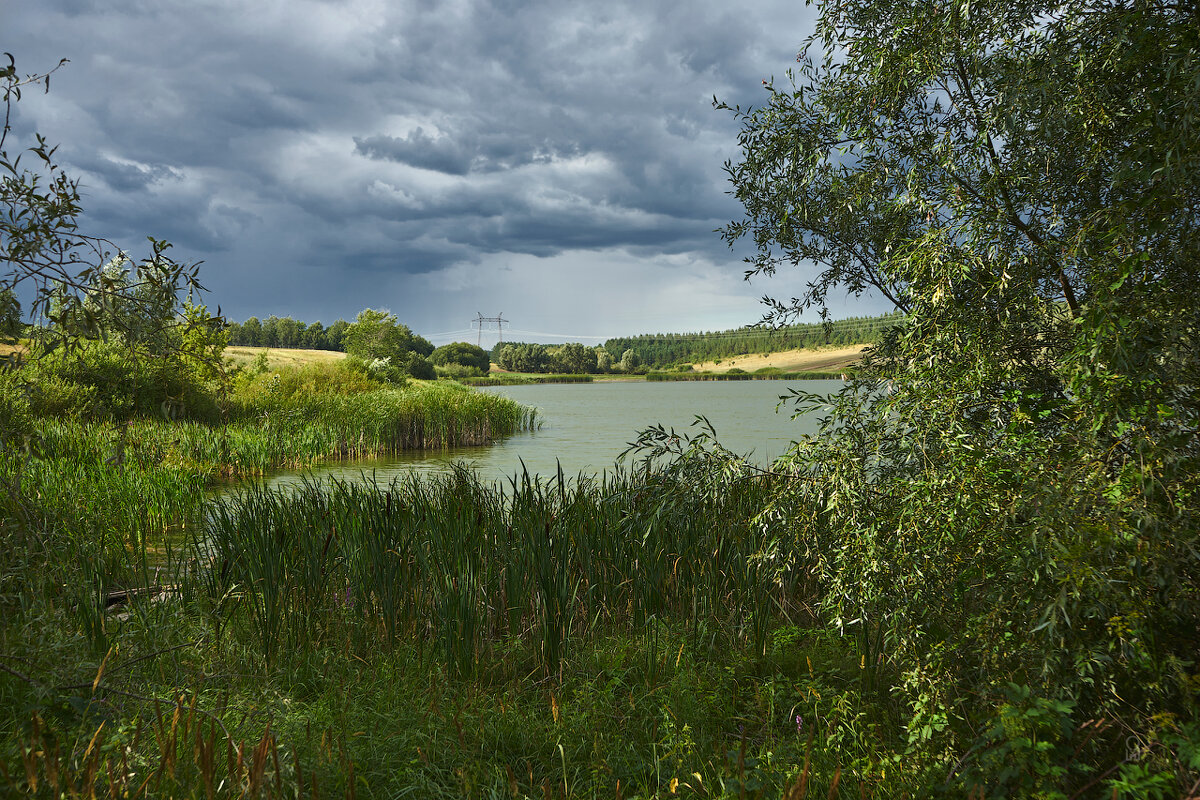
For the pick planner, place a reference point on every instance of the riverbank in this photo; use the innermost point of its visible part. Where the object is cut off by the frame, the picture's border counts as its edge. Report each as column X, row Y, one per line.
column 440, row 637
column 765, row 374
column 497, row 378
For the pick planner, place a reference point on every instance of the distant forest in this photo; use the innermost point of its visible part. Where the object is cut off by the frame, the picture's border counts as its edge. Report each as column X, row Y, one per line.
column 287, row 332
column 653, row 351
column 666, row 349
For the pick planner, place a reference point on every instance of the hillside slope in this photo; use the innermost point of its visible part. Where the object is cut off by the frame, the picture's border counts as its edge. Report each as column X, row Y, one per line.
column 821, row 359
column 281, row 356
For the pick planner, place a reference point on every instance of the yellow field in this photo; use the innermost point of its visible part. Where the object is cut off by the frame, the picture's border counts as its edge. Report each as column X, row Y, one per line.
column 281, row 356
column 7, row 349
column 822, row 359
column 825, row 359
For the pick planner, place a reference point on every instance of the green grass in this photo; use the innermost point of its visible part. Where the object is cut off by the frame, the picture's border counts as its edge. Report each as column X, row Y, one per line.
column 443, row 638
column 760, row 375
column 628, row 717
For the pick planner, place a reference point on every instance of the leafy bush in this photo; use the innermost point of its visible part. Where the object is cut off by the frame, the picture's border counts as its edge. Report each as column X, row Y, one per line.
column 1007, row 491
column 106, row 381
column 268, row 388
column 419, row 367
column 16, row 421
column 458, row 371
column 461, row 354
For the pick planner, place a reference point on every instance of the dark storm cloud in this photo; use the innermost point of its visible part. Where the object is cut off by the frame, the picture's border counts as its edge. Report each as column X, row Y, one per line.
column 126, row 177
column 372, row 137
column 463, row 153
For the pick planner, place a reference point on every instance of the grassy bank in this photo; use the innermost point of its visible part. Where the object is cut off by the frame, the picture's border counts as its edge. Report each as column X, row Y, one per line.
column 522, row 379
column 764, row 375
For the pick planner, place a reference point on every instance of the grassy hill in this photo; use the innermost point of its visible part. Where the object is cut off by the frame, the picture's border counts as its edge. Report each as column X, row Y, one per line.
column 817, row 359
column 705, row 350
column 281, row 356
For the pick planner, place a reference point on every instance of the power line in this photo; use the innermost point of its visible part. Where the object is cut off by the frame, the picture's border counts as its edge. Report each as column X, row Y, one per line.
column 449, row 333
column 563, row 335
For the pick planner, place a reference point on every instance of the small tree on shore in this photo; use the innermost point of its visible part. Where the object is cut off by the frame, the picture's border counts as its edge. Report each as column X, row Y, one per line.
column 68, row 276
column 462, row 354
column 630, row 361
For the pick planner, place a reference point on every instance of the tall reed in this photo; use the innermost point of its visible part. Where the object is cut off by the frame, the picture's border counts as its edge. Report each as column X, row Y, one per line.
column 463, row 564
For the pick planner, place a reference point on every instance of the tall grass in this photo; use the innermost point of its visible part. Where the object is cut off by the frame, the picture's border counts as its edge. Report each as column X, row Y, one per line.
column 287, row 435
column 79, row 499
column 76, row 522
column 420, row 416
column 464, row 565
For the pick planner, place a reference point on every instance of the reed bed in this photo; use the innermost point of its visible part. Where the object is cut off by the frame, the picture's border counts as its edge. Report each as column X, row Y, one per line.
column 80, row 524
column 462, row 565
column 287, row 435
column 422, row 416
column 80, row 502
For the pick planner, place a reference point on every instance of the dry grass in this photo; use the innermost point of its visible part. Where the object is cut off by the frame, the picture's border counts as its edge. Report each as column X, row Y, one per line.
column 281, row 356
column 7, row 348
column 824, row 359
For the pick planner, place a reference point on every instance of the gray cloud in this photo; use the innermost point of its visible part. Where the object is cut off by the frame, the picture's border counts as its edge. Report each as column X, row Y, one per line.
column 362, row 142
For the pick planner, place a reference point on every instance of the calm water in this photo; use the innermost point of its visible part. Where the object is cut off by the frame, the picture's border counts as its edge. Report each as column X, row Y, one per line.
column 585, row 427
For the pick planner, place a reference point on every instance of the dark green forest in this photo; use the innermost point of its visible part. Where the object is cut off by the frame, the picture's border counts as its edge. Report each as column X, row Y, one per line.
column 287, row 332
column 659, row 350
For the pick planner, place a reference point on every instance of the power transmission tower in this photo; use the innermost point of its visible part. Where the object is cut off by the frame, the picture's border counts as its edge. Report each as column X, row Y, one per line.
column 497, row 320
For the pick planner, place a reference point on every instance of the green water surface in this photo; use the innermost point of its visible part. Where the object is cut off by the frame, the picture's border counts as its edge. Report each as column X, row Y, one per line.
column 585, row 427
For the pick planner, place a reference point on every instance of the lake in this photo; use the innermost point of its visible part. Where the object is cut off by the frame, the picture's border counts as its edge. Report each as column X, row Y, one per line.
column 586, row 426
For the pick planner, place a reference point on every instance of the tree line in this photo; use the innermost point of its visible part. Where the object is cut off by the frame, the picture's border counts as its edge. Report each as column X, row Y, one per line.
column 287, row 332
column 571, row 358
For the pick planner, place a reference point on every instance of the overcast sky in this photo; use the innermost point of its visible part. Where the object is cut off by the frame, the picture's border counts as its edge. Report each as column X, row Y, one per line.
column 559, row 162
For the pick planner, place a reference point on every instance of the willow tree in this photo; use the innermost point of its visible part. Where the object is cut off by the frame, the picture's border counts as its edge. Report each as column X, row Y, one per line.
column 74, row 280
column 1008, row 496
column 117, row 325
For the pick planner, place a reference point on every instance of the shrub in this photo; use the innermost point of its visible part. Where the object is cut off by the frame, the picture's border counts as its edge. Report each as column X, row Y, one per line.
column 419, row 367
column 105, row 381
column 15, row 418
column 458, row 371
column 461, row 354
column 346, row 377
